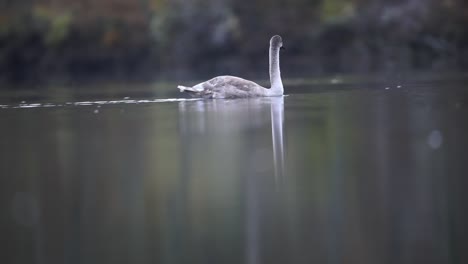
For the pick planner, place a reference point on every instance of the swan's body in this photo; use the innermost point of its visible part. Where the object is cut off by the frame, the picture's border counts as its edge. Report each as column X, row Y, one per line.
column 227, row 87
column 235, row 87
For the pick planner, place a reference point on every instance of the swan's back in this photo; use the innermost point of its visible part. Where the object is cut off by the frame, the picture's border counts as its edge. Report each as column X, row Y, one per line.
column 229, row 87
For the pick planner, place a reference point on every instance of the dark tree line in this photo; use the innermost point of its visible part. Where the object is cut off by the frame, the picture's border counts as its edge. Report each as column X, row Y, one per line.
column 184, row 39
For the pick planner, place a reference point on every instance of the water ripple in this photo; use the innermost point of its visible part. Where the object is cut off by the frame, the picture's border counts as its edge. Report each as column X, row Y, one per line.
column 97, row 103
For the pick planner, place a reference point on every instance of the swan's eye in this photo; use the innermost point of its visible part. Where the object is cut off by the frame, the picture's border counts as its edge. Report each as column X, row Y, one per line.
column 282, row 48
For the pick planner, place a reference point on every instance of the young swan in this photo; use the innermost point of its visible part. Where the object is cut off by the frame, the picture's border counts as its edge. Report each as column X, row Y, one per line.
column 235, row 87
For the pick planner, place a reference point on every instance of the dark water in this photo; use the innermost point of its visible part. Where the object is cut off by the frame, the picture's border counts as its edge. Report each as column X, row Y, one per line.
column 368, row 175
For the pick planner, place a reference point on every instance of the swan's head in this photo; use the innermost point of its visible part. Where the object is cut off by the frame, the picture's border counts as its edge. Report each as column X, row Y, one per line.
column 276, row 42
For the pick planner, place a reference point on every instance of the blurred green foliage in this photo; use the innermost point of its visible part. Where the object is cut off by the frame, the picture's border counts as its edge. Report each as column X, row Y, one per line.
column 337, row 9
column 56, row 26
column 176, row 39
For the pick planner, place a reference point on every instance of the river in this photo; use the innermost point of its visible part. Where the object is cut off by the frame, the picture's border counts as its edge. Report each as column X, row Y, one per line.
column 361, row 174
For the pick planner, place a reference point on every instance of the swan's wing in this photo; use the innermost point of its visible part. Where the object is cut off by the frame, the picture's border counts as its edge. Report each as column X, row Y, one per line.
column 231, row 87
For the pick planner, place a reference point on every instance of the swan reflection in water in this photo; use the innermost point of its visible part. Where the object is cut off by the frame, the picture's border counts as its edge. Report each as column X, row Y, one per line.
column 226, row 144
column 277, row 120
column 231, row 127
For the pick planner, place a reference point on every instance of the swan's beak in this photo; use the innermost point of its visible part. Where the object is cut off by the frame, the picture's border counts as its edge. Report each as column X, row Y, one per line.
column 282, row 48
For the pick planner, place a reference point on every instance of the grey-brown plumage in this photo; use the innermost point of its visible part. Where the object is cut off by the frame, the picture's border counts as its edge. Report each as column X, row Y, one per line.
column 235, row 87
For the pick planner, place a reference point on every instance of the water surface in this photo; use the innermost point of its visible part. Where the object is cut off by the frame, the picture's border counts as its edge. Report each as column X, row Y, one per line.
column 373, row 174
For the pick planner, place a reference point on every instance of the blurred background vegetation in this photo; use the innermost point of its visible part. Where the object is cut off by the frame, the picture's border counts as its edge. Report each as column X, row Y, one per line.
column 146, row 40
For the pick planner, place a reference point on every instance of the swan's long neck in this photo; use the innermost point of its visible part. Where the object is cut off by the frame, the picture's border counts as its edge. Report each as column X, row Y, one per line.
column 275, row 74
